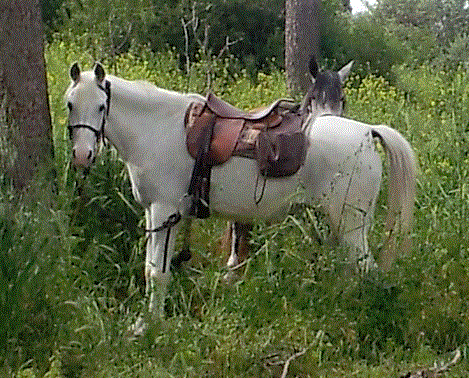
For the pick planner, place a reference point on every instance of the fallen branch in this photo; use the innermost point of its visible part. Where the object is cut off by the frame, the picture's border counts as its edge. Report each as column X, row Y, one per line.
column 290, row 359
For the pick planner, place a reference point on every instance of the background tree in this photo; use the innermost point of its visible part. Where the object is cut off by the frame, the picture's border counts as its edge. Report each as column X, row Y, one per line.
column 253, row 32
column 24, row 89
column 302, row 36
column 433, row 30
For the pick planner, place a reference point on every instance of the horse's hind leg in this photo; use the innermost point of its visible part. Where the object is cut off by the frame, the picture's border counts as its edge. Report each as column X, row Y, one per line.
column 237, row 237
column 185, row 254
column 354, row 228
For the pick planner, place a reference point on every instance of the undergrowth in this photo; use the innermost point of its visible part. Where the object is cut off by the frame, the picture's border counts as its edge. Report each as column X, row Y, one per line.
column 72, row 264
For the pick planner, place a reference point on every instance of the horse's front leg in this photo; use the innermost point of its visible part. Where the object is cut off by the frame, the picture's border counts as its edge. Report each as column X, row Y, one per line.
column 160, row 250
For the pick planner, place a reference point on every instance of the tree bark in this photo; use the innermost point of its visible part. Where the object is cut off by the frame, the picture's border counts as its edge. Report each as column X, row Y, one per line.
column 23, row 90
column 302, row 36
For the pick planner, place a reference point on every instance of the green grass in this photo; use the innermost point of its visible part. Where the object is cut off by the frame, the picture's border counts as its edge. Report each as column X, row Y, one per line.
column 71, row 281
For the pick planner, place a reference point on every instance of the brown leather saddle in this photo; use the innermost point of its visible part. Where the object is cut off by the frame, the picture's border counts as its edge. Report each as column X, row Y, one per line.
column 216, row 131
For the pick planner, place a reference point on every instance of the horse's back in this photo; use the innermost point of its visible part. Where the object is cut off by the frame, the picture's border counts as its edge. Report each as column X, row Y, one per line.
column 340, row 142
column 341, row 129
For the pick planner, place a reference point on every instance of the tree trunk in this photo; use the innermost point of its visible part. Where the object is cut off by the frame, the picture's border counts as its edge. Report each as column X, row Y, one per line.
column 27, row 147
column 302, row 37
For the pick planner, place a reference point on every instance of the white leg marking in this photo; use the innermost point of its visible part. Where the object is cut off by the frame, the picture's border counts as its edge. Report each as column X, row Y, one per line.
column 233, row 259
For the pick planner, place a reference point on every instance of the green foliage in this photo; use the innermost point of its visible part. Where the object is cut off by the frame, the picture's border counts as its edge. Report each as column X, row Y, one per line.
column 445, row 19
column 372, row 99
column 35, row 242
column 51, row 16
column 251, row 31
column 71, row 267
column 426, row 29
column 106, row 27
column 363, row 38
column 394, row 32
column 458, row 53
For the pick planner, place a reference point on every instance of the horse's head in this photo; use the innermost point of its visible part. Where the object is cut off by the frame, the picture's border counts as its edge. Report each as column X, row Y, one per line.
column 326, row 95
column 88, row 101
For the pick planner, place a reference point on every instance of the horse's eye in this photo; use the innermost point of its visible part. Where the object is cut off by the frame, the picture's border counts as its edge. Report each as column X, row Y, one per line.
column 101, row 108
column 69, row 106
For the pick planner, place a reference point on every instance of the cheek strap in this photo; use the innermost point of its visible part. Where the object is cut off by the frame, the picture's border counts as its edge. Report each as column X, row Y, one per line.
column 98, row 133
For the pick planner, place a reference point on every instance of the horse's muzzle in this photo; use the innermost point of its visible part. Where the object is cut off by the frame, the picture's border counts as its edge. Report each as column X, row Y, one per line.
column 82, row 157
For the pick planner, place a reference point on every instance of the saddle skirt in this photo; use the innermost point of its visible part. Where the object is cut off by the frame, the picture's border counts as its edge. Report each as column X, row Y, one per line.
column 273, row 136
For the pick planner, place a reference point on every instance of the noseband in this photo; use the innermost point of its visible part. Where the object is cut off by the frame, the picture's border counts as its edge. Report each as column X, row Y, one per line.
column 98, row 133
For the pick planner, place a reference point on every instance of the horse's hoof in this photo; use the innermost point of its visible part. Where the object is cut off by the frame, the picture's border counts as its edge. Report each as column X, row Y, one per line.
column 138, row 329
column 231, row 277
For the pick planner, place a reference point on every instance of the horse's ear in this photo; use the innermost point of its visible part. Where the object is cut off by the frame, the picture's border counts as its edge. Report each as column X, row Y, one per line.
column 99, row 72
column 345, row 71
column 75, row 72
column 313, row 67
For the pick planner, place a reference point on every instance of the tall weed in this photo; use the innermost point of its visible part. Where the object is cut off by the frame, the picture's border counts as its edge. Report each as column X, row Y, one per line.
column 77, row 261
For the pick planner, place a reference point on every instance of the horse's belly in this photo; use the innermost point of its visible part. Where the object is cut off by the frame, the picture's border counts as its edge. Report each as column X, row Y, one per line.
column 236, row 187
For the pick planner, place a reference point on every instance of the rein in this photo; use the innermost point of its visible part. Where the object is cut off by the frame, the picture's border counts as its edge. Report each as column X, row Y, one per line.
column 98, row 133
column 172, row 220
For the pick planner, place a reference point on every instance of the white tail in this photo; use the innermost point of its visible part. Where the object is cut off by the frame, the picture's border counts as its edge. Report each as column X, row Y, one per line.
column 402, row 166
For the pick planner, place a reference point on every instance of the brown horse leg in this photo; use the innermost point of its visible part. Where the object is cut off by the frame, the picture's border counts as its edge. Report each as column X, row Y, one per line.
column 238, row 238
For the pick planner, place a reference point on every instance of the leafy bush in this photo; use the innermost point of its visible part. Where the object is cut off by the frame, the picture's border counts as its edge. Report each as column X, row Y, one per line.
column 36, row 243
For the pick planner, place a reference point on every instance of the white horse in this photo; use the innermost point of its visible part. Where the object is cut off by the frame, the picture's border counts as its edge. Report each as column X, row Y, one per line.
column 324, row 97
column 342, row 172
column 342, row 175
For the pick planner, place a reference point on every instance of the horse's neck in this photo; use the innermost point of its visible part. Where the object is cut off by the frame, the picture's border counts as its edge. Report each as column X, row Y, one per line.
column 314, row 115
column 141, row 114
column 317, row 113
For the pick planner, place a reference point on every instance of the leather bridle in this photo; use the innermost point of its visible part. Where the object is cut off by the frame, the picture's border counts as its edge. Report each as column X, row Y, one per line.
column 98, row 133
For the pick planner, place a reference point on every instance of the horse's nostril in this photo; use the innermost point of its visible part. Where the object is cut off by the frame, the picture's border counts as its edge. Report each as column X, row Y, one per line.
column 90, row 154
column 74, row 153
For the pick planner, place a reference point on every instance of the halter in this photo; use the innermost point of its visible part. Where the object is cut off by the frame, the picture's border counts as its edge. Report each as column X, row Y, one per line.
column 98, row 133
